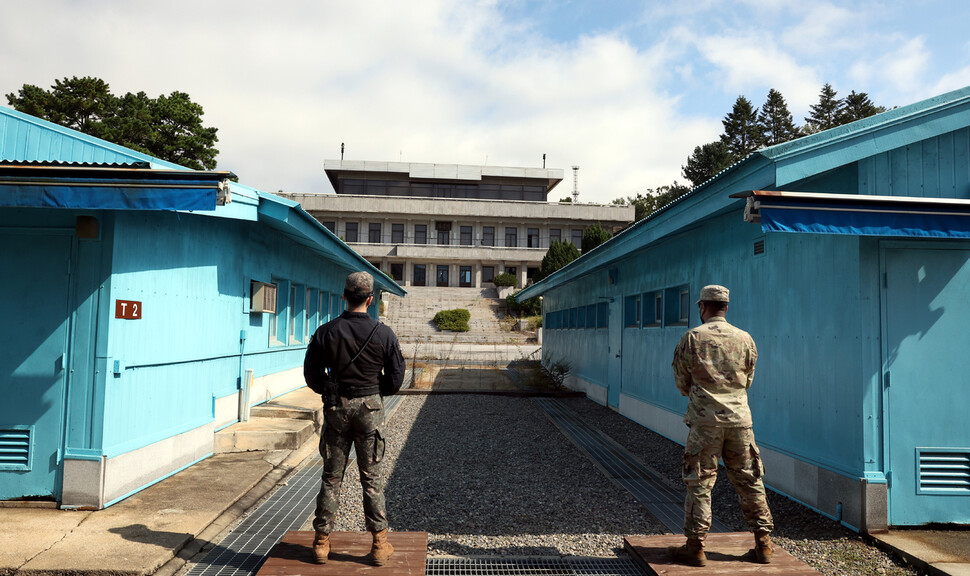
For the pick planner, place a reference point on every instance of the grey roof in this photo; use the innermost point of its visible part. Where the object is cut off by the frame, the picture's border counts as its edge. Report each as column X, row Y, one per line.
column 446, row 172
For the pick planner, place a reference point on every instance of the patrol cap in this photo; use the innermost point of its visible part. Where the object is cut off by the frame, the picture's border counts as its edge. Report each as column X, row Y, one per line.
column 359, row 285
column 714, row 293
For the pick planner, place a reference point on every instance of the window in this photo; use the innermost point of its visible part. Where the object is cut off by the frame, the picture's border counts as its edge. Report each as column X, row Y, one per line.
column 676, row 304
column 511, row 237
column 573, row 317
column 441, row 275
column 466, row 236
column 444, row 237
column 421, row 235
column 653, row 308
column 351, row 232
column 295, row 329
column 555, row 235
column 310, row 315
column 397, row 271
column 488, row 236
column 419, row 275
column 397, row 233
column 533, row 237
column 332, row 226
column 374, row 233
column 581, row 317
column 603, row 315
column 591, row 316
column 531, row 272
column 577, row 237
column 324, row 309
column 631, row 311
column 488, row 273
column 277, row 322
column 465, row 276
column 512, row 270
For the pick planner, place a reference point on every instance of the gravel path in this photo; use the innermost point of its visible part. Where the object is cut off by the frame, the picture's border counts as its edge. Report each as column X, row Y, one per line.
column 825, row 544
column 491, row 476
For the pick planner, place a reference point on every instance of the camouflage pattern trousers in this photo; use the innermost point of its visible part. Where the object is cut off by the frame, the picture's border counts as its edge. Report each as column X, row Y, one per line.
column 354, row 421
column 742, row 461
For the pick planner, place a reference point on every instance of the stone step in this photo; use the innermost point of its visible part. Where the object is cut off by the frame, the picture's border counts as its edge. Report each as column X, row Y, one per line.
column 264, row 434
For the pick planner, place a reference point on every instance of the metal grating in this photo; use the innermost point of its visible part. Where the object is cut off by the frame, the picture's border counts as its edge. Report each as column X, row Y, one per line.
column 539, row 566
column 759, row 246
column 243, row 551
column 15, row 449
column 653, row 491
column 944, row 471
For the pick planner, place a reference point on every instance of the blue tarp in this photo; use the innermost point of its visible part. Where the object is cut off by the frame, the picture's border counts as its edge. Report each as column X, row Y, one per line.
column 839, row 219
column 109, row 197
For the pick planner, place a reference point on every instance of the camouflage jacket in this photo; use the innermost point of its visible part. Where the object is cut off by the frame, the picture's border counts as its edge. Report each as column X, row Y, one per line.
column 714, row 366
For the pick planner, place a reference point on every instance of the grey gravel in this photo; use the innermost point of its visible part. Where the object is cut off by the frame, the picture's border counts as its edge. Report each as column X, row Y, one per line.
column 491, row 476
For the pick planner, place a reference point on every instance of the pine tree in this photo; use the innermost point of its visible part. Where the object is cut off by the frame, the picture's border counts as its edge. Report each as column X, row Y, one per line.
column 826, row 113
column 857, row 107
column 594, row 235
column 742, row 134
column 776, row 121
column 706, row 162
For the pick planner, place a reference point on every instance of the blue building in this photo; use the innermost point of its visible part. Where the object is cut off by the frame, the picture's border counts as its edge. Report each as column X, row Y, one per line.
column 137, row 295
column 848, row 258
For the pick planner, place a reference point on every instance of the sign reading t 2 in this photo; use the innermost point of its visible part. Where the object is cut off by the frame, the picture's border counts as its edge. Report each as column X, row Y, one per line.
column 128, row 309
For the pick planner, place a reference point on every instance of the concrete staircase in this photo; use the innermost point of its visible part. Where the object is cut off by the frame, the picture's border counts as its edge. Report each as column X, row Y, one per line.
column 410, row 317
column 283, row 423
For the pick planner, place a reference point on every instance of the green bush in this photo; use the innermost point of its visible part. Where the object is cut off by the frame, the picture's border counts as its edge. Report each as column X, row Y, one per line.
column 530, row 307
column 455, row 320
column 505, row 279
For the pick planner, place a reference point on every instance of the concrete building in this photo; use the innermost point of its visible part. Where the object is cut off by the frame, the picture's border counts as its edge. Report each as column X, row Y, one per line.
column 847, row 253
column 452, row 225
column 139, row 295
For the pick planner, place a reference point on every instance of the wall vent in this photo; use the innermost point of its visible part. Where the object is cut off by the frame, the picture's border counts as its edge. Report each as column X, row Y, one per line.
column 943, row 470
column 262, row 297
column 15, row 449
column 759, row 246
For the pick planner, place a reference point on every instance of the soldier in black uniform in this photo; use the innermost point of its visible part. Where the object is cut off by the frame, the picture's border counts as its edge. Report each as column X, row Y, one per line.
column 353, row 361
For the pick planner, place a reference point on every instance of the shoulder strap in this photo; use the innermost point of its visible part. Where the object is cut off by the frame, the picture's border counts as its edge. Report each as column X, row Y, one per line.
column 366, row 342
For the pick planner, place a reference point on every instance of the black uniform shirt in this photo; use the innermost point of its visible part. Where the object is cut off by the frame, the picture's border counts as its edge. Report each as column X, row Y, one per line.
column 335, row 343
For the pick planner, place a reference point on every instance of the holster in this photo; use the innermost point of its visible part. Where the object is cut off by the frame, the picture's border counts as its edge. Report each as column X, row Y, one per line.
column 331, row 393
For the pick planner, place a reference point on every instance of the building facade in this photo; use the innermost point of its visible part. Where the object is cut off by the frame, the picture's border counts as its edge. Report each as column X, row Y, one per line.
column 452, row 225
column 847, row 254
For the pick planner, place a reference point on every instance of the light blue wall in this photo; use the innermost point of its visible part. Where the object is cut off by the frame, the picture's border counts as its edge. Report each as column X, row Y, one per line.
column 192, row 275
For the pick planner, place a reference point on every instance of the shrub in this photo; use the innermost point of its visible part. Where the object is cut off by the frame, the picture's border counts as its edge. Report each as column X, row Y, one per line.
column 505, row 279
column 455, row 320
column 556, row 373
column 530, row 307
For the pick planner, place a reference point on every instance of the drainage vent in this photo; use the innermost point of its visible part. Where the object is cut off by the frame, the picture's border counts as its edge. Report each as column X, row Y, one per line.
column 533, row 565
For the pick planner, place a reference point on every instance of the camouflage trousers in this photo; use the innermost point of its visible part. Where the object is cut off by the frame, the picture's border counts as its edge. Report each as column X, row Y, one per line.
column 742, row 461
column 354, row 421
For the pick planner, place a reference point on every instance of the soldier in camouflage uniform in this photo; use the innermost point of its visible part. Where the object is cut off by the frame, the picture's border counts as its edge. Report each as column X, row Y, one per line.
column 714, row 366
column 353, row 361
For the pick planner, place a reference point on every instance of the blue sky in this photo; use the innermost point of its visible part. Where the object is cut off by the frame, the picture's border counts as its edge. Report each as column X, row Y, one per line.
column 623, row 88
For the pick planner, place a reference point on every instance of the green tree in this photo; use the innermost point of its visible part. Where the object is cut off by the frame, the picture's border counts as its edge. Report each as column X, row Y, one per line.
column 566, row 199
column 558, row 255
column 706, row 161
column 825, row 114
column 858, row 106
column 168, row 127
column 742, row 133
column 594, row 235
column 646, row 203
column 775, row 121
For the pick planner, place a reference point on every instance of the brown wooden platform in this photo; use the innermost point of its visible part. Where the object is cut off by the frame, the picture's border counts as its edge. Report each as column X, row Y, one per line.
column 294, row 555
column 726, row 554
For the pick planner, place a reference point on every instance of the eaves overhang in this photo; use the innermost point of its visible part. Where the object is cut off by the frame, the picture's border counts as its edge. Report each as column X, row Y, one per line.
column 289, row 219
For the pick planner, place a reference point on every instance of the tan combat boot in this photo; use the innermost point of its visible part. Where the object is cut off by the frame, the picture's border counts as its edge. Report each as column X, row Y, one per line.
column 762, row 547
column 381, row 550
column 691, row 554
column 321, row 547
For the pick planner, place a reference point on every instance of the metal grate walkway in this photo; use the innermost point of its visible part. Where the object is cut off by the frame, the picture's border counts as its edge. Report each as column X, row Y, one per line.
column 242, row 552
column 532, row 566
column 647, row 486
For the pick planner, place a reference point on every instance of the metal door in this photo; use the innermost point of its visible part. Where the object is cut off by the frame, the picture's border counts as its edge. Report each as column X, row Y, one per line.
column 615, row 376
column 33, row 362
column 926, row 311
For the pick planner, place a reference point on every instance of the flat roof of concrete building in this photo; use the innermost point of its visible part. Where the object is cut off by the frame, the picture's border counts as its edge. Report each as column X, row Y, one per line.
column 420, row 171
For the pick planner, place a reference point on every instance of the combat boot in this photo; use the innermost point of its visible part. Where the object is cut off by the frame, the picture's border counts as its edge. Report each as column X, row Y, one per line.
column 762, row 547
column 321, row 547
column 691, row 553
column 381, row 550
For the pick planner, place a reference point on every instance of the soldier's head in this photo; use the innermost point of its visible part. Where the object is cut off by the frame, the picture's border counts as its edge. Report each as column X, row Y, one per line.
column 713, row 301
column 359, row 289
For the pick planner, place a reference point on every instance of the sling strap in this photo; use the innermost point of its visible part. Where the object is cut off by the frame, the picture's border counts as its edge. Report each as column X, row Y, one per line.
column 356, row 356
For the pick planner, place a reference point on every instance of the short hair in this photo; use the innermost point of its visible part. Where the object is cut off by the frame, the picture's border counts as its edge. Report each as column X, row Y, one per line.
column 715, row 305
column 359, row 286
